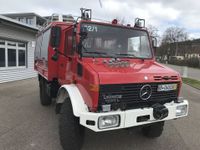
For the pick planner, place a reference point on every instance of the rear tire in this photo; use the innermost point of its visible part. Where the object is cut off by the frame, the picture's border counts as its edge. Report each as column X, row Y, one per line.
column 153, row 130
column 45, row 100
column 71, row 132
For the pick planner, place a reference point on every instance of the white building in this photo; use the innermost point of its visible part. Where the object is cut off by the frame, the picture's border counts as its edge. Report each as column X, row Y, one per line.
column 28, row 18
column 17, row 44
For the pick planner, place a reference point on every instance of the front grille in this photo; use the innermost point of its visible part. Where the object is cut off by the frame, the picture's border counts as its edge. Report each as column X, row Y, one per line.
column 126, row 96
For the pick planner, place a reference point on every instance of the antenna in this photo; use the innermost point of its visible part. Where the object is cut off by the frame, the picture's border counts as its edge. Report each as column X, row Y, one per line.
column 100, row 3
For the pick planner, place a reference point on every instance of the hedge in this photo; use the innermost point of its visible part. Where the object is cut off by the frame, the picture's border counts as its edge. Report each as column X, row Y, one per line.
column 190, row 62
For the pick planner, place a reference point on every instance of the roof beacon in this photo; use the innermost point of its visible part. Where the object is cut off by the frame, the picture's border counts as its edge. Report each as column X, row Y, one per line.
column 86, row 14
column 115, row 21
column 140, row 23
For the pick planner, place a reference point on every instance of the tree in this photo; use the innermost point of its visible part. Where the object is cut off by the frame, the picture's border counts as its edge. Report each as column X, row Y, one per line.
column 174, row 35
column 153, row 31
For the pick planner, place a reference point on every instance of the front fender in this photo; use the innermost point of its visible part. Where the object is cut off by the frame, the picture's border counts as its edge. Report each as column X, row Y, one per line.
column 72, row 92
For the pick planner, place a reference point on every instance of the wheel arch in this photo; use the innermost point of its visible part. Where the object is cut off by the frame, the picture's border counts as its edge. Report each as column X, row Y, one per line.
column 72, row 93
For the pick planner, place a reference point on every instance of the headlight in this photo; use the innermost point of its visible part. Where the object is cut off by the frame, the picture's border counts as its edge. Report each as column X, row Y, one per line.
column 108, row 121
column 167, row 87
column 181, row 110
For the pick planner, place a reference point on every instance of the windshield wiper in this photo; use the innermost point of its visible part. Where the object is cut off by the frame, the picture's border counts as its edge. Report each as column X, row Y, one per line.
column 125, row 54
column 93, row 52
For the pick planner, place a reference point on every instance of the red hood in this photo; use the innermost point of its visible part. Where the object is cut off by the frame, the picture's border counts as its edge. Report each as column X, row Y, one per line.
column 140, row 71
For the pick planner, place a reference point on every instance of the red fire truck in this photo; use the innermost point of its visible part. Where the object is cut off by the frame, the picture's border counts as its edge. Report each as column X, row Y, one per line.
column 103, row 76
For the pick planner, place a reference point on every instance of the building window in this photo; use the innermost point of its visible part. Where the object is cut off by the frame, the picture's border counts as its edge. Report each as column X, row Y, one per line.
column 2, row 42
column 11, row 43
column 21, row 57
column 22, row 20
column 2, row 57
column 21, row 45
column 12, row 54
column 12, row 58
column 29, row 21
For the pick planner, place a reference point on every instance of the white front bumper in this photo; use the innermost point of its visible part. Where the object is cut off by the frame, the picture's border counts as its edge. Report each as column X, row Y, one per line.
column 128, row 118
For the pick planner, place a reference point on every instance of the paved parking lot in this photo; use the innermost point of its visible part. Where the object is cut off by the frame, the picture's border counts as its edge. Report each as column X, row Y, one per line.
column 26, row 125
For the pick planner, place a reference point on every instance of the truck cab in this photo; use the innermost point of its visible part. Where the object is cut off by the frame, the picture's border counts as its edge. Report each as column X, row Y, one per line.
column 103, row 76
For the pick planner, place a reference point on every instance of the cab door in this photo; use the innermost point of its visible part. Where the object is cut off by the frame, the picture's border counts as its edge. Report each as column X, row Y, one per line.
column 69, row 52
column 66, row 60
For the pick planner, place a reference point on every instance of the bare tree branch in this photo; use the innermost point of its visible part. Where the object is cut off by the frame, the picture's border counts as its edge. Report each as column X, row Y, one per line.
column 174, row 34
column 153, row 31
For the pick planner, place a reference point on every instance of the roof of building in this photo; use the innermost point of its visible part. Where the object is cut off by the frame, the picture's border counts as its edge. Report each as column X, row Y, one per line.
column 18, row 23
column 23, row 15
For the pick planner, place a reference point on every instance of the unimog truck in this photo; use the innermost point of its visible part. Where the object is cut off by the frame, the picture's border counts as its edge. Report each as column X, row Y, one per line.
column 103, row 76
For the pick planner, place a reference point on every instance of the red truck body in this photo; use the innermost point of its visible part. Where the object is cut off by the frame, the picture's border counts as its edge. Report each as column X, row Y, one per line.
column 95, row 71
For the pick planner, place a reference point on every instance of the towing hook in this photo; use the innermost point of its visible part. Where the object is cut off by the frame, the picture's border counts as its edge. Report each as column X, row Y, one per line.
column 160, row 111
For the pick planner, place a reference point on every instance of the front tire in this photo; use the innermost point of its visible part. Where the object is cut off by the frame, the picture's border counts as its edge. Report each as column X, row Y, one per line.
column 153, row 130
column 71, row 132
column 45, row 100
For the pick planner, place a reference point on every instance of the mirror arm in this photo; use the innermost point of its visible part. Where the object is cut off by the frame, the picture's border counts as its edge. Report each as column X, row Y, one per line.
column 80, row 48
column 55, row 56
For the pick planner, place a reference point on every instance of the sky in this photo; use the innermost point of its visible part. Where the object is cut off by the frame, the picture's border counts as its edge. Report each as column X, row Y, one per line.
column 159, row 13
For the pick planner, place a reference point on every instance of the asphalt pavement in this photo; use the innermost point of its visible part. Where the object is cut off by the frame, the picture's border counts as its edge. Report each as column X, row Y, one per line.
column 26, row 125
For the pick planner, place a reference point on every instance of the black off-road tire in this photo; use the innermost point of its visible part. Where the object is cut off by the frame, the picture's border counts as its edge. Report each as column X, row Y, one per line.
column 45, row 100
column 153, row 130
column 71, row 132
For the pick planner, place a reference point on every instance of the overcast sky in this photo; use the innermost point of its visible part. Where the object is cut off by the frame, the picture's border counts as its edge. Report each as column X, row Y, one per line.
column 159, row 13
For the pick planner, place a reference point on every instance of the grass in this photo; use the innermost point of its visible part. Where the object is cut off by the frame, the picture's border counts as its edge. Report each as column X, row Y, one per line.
column 192, row 82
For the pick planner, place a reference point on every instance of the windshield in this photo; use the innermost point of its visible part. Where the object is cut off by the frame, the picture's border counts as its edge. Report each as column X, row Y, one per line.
column 110, row 41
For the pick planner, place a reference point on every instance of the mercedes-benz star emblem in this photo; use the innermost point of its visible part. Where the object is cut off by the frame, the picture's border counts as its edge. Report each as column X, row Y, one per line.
column 145, row 92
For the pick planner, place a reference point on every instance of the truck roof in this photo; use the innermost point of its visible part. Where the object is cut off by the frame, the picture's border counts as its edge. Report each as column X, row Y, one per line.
column 91, row 21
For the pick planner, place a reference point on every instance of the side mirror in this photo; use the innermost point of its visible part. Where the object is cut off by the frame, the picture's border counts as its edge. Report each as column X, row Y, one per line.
column 154, row 44
column 55, row 36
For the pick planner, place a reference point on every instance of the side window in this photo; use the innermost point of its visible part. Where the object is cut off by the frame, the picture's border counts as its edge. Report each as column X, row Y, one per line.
column 69, row 42
column 45, row 44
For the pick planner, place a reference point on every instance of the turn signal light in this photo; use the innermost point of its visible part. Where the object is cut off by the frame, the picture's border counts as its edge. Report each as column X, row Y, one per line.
column 94, row 87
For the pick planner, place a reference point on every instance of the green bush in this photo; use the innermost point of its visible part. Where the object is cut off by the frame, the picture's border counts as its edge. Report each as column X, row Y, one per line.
column 190, row 62
column 178, row 62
